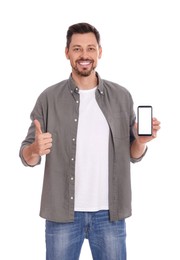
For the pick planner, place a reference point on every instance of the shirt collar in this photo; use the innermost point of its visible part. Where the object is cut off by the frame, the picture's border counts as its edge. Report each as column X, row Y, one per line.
column 74, row 88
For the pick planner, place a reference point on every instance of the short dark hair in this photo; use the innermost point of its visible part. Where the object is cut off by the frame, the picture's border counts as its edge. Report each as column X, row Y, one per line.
column 81, row 28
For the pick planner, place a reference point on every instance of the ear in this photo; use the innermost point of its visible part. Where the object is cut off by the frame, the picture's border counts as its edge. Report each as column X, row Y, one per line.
column 67, row 53
column 100, row 52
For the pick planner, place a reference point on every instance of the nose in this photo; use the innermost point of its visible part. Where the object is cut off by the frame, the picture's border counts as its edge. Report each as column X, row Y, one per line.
column 84, row 54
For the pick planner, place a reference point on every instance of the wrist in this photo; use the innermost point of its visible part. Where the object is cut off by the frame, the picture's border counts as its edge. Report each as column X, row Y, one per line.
column 32, row 151
column 139, row 143
column 29, row 155
column 137, row 149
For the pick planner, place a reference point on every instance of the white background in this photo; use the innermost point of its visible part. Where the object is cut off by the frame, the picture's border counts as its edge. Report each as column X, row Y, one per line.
column 141, row 51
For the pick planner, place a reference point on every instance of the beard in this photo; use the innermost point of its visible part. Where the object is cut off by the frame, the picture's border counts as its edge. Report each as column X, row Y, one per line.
column 83, row 72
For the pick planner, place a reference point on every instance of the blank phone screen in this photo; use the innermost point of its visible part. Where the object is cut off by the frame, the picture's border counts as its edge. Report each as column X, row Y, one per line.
column 144, row 120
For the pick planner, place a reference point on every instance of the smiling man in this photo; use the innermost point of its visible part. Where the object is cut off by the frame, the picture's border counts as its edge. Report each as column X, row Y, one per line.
column 85, row 127
column 83, row 57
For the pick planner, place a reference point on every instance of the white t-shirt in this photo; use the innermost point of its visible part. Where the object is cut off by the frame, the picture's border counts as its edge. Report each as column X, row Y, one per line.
column 91, row 168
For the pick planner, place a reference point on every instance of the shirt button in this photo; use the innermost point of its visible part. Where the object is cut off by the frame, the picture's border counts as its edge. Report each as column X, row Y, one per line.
column 75, row 119
column 72, row 159
column 101, row 92
column 72, row 198
column 74, row 139
column 77, row 101
column 72, row 178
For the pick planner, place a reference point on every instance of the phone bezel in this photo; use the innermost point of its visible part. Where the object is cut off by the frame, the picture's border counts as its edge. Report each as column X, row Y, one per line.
column 138, row 108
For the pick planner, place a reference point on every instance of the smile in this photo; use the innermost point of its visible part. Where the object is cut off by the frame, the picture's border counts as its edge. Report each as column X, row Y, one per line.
column 84, row 63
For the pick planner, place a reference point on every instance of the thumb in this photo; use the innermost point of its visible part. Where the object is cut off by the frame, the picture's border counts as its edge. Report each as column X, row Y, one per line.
column 135, row 125
column 37, row 127
column 135, row 128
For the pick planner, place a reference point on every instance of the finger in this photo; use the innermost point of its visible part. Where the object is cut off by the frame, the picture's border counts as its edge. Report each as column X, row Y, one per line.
column 46, row 148
column 156, row 128
column 37, row 127
column 156, row 122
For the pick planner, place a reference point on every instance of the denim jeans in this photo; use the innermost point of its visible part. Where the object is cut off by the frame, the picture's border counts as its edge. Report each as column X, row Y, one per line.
column 107, row 239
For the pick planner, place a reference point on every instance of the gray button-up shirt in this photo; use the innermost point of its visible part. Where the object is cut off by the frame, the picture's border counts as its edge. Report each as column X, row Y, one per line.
column 57, row 109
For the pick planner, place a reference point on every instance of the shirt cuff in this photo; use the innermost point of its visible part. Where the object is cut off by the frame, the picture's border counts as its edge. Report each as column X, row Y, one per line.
column 23, row 161
column 134, row 160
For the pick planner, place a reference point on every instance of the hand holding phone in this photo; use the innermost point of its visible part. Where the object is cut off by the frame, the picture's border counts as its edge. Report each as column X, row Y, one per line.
column 144, row 120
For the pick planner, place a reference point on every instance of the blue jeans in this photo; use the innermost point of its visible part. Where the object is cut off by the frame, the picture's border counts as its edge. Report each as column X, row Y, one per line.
column 107, row 239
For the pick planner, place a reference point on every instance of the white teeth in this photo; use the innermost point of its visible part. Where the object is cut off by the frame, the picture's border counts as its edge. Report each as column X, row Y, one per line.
column 84, row 63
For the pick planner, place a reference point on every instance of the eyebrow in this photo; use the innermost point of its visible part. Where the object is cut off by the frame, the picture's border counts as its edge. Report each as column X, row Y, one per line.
column 89, row 45
column 76, row 45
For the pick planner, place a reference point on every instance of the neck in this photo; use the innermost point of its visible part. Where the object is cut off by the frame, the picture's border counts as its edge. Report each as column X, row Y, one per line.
column 88, row 82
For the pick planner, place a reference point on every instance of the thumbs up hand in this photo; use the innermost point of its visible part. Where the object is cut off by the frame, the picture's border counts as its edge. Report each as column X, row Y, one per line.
column 43, row 141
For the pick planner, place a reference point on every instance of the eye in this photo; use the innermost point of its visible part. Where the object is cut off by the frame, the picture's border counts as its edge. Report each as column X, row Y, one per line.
column 77, row 49
column 91, row 49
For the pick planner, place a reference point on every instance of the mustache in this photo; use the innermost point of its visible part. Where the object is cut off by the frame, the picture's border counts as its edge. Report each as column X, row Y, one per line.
column 87, row 60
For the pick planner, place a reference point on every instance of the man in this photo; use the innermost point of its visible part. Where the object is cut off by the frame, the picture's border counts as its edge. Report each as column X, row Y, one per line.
column 86, row 128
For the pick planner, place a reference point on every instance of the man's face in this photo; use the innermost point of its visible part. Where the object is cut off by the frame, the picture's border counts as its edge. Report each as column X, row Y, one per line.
column 83, row 53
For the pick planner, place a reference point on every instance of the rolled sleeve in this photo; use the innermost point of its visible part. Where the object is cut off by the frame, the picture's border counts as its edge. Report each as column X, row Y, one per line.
column 22, row 158
column 134, row 160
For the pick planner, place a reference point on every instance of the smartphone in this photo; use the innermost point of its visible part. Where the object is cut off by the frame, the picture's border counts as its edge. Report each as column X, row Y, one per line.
column 144, row 120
